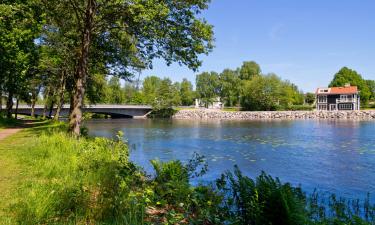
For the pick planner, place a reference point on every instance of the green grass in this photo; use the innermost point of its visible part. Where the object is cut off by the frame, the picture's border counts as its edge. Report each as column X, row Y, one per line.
column 182, row 108
column 49, row 177
column 13, row 173
column 231, row 109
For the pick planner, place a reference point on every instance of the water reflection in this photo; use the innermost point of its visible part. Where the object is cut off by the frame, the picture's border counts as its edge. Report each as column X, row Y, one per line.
column 336, row 156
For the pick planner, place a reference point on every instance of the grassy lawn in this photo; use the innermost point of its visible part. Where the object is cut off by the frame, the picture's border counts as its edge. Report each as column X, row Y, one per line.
column 183, row 108
column 13, row 172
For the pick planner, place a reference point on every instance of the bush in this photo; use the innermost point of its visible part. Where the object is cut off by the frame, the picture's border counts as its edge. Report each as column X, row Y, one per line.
column 263, row 201
column 6, row 122
column 162, row 113
column 298, row 108
column 177, row 202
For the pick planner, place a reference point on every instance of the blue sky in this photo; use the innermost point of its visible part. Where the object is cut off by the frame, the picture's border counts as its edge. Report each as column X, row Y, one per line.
column 304, row 41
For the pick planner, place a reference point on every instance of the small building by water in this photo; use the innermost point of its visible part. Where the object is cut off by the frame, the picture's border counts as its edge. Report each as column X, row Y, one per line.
column 338, row 98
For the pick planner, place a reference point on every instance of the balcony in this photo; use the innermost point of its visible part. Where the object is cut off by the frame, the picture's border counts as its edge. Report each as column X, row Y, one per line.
column 346, row 100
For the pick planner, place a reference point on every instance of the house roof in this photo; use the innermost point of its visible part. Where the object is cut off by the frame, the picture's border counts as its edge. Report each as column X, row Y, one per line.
column 338, row 90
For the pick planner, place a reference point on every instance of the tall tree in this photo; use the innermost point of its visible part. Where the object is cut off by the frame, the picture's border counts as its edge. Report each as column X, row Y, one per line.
column 208, row 86
column 186, row 92
column 115, row 91
column 349, row 76
column 249, row 69
column 261, row 93
column 131, row 34
column 20, row 24
column 310, row 98
column 371, row 85
column 132, row 94
column 150, row 87
column 167, row 95
column 230, row 87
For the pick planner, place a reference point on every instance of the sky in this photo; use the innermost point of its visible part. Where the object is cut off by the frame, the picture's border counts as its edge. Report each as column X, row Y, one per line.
column 304, row 41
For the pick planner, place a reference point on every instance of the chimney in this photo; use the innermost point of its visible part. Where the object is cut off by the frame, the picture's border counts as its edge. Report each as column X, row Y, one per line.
column 347, row 85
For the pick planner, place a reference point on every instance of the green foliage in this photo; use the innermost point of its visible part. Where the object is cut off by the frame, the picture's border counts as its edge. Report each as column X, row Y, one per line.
column 162, row 95
column 310, row 98
column 186, row 92
column 20, row 24
column 298, row 108
column 326, row 208
column 371, row 85
column 207, row 86
column 8, row 122
column 79, row 181
column 177, row 201
column 269, row 93
column 349, row 76
column 249, row 70
column 115, row 94
column 150, row 87
column 263, row 201
column 230, row 87
column 162, row 113
column 167, row 95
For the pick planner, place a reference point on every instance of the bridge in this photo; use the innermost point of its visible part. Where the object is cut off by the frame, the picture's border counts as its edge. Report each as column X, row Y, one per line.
column 115, row 111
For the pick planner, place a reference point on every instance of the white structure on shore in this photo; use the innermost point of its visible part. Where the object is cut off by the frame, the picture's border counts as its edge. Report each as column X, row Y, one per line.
column 214, row 104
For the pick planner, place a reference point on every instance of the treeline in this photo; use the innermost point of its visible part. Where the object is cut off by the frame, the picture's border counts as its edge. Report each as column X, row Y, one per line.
column 155, row 91
column 243, row 87
column 248, row 88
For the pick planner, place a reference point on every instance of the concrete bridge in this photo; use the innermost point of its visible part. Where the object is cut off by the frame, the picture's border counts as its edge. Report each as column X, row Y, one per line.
column 115, row 111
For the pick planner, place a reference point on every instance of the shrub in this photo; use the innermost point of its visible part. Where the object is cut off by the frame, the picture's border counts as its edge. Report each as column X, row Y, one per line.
column 298, row 108
column 263, row 201
column 162, row 113
column 176, row 201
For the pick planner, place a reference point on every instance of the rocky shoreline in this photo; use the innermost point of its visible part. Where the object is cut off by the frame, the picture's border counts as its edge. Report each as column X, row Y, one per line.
column 202, row 114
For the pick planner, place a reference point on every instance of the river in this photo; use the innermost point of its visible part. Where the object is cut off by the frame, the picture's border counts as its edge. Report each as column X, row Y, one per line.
column 334, row 156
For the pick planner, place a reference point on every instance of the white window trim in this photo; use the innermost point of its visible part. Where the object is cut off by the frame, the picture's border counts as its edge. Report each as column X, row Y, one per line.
column 325, row 98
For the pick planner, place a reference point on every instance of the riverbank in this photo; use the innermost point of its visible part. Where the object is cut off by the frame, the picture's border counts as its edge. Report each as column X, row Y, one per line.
column 267, row 115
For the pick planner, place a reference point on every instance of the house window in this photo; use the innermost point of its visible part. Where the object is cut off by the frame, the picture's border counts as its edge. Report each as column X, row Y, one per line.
column 345, row 106
column 322, row 107
column 322, row 99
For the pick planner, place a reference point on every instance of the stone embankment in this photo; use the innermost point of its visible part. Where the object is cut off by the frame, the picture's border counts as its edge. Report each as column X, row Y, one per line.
column 263, row 115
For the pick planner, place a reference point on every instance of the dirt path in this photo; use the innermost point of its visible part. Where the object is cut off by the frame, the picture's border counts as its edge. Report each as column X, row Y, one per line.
column 7, row 132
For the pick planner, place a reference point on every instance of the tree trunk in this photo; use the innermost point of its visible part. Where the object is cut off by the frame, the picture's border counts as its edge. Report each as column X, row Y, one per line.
column 51, row 109
column 9, row 105
column 45, row 110
column 81, row 72
column 1, row 101
column 61, row 97
column 33, row 101
column 34, row 98
column 16, row 112
column 46, row 98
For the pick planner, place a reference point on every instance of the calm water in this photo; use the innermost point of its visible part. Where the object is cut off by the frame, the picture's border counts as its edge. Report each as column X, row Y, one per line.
column 335, row 156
